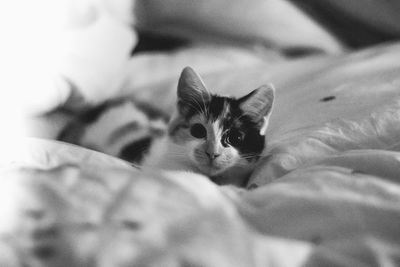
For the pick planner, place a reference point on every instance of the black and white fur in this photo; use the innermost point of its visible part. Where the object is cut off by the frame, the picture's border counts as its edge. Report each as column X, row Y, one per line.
column 122, row 128
column 141, row 134
column 221, row 137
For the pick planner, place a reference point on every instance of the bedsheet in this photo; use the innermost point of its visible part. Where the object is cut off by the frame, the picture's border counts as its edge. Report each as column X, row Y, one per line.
column 317, row 97
column 63, row 205
column 326, row 193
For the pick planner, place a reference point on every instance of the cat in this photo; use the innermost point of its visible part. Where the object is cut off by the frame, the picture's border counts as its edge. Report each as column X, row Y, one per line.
column 233, row 129
column 217, row 136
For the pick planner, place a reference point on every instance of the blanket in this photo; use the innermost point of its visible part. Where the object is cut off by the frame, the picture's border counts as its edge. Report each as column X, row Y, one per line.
column 325, row 194
column 68, row 206
column 324, row 105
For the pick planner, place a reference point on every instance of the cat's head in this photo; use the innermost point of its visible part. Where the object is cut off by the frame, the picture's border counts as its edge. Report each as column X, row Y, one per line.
column 217, row 132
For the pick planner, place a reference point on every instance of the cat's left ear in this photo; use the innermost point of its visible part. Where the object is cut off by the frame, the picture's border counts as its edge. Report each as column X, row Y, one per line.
column 258, row 105
column 191, row 90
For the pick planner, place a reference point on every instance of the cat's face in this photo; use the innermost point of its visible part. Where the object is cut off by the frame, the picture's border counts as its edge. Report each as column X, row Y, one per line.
column 215, row 132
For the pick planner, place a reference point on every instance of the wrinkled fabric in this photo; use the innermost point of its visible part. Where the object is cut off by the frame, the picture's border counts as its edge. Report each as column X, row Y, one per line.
column 85, row 210
column 67, row 206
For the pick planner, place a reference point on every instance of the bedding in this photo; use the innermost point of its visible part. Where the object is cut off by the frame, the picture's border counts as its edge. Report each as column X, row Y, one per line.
column 351, row 20
column 326, row 193
column 68, row 206
column 320, row 100
column 79, row 206
column 254, row 23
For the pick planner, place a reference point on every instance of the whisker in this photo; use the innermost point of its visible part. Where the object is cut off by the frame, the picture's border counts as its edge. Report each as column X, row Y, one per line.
column 175, row 153
column 199, row 107
column 204, row 104
column 204, row 110
column 196, row 108
column 249, row 156
column 241, row 116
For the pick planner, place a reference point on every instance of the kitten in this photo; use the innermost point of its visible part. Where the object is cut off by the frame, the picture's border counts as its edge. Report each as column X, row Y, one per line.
column 220, row 137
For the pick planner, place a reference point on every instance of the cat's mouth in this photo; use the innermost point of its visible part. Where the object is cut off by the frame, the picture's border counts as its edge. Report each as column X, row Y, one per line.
column 211, row 168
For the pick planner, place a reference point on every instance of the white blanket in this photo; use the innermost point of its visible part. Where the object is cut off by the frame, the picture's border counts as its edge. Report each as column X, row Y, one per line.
column 326, row 194
column 65, row 204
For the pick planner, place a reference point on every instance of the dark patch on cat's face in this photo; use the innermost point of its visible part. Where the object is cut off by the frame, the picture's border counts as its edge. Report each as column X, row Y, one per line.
column 253, row 141
column 327, row 98
column 233, row 122
column 217, row 107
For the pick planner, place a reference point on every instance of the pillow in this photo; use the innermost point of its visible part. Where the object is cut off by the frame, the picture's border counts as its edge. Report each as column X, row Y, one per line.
column 275, row 23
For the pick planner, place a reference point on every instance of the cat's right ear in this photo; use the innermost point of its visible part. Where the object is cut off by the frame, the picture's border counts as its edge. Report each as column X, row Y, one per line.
column 192, row 92
column 258, row 105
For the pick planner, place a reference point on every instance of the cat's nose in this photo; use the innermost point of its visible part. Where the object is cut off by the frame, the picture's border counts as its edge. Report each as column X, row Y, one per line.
column 212, row 155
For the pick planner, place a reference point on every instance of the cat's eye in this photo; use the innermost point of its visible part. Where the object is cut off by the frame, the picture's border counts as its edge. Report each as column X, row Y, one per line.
column 234, row 138
column 198, row 131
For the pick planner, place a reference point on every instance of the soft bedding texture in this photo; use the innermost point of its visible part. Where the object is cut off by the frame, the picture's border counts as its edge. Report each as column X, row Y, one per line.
column 326, row 193
column 254, row 23
column 68, row 206
column 79, row 206
column 324, row 105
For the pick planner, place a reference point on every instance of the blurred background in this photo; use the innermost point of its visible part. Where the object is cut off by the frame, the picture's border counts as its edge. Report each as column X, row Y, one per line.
column 75, row 53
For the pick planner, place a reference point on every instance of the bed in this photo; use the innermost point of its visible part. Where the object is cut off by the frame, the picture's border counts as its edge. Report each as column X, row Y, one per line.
column 326, row 194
